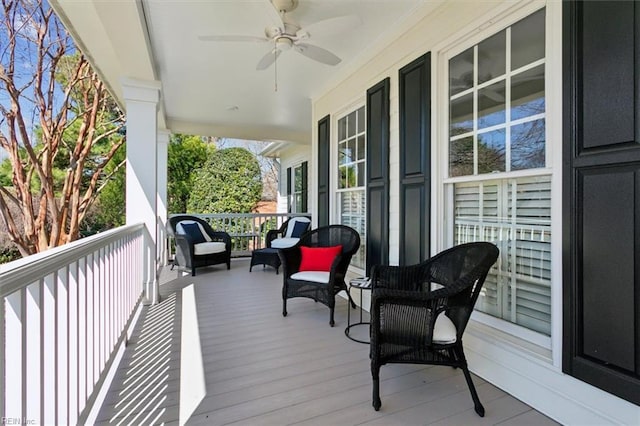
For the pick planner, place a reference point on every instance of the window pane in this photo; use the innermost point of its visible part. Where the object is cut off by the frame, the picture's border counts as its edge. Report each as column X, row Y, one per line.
column 491, row 105
column 361, row 149
column 342, row 155
column 297, row 179
column 351, row 150
column 298, row 202
column 462, row 115
column 342, row 177
column 527, row 93
column 361, row 120
column 527, row 40
column 351, row 124
column 492, row 57
column 353, row 214
column 461, row 157
column 361, row 174
column 491, row 151
column 461, row 72
column 528, row 145
column 342, row 129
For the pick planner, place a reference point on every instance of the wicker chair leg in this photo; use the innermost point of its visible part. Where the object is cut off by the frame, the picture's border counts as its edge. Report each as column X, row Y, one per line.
column 284, row 307
column 331, row 321
column 477, row 405
column 193, row 271
column 228, row 265
column 375, row 373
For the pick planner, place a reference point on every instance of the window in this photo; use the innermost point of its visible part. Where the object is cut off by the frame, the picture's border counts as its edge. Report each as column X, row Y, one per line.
column 298, row 196
column 498, row 170
column 351, row 176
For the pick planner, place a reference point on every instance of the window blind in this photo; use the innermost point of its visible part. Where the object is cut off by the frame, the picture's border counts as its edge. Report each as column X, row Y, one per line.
column 514, row 214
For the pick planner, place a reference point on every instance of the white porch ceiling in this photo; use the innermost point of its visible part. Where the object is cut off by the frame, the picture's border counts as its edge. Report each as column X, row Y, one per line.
column 213, row 88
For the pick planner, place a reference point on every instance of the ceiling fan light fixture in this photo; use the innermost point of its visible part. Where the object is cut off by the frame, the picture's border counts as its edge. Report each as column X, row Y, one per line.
column 284, row 43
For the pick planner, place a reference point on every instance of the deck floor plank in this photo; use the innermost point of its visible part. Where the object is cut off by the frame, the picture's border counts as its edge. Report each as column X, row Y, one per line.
column 261, row 368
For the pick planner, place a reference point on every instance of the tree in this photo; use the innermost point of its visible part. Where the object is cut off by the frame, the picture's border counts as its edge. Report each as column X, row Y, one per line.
column 109, row 209
column 229, row 182
column 186, row 154
column 58, row 125
column 269, row 166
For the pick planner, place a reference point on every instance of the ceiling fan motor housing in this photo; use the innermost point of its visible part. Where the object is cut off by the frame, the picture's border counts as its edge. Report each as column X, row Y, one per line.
column 285, row 5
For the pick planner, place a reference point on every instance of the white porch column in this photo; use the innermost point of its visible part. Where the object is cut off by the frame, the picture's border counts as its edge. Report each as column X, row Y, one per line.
column 162, row 202
column 142, row 99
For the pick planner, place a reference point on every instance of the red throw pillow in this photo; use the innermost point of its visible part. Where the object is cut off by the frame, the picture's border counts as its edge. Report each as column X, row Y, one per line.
column 318, row 258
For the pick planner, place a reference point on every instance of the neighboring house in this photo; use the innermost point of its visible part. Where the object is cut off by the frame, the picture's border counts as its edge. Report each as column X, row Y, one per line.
column 509, row 121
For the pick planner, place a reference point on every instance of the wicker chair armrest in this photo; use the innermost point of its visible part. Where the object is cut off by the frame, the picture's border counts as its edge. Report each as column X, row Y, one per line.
column 290, row 259
column 223, row 237
column 272, row 234
column 185, row 242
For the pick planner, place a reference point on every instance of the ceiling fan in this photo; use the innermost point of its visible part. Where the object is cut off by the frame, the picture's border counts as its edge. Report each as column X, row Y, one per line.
column 288, row 35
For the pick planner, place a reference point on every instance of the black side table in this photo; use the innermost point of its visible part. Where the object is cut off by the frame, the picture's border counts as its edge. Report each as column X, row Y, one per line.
column 362, row 284
column 266, row 256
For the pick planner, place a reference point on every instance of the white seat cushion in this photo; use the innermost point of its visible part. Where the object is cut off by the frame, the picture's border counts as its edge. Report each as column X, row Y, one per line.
column 314, row 276
column 444, row 330
column 208, row 248
column 281, row 243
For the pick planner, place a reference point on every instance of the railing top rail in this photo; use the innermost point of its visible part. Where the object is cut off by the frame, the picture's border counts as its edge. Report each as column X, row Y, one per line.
column 223, row 215
column 22, row 272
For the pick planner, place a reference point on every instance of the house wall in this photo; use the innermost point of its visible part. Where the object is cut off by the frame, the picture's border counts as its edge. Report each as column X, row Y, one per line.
column 508, row 359
column 291, row 156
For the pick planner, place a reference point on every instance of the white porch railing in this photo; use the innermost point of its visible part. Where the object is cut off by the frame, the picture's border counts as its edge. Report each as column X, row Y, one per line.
column 64, row 315
column 247, row 230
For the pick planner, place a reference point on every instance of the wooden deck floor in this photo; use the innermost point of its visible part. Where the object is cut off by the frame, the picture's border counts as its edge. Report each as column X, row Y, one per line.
column 259, row 368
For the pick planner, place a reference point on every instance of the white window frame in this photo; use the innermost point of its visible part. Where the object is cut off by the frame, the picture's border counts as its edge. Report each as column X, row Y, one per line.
column 294, row 167
column 334, row 170
column 442, row 196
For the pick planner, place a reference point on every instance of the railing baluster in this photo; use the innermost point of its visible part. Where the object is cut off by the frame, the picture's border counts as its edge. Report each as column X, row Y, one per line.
column 82, row 333
column 33, row 314
column 62, row 341
column 48, row 349
column 14, row 383
column 74, row 333
column 90, row 304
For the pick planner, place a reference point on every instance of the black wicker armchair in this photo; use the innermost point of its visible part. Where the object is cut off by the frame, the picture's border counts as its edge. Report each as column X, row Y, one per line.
column 197, row 244
column 289, row 232
column 419, row 312
column 311, row 270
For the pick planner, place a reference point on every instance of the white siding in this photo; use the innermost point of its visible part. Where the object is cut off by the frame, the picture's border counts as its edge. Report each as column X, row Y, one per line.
column 511, row 361
column 294, row 155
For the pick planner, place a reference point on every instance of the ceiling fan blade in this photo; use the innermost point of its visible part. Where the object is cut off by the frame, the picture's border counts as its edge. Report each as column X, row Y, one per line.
column 268, row 59
column 241, row 38
column 330, row 26
column 317, row 54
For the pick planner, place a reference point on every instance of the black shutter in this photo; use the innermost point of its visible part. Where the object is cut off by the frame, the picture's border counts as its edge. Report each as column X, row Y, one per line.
column 304, row 187
column 601, row 211
column 289, row 200
column 324, row 138
column 415, row 160
column 377, row 239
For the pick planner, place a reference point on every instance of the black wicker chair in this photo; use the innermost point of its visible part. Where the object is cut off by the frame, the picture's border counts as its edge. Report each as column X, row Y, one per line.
column 419, row 312
column 191, row 253
column 321, row 286
column 284, row 237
